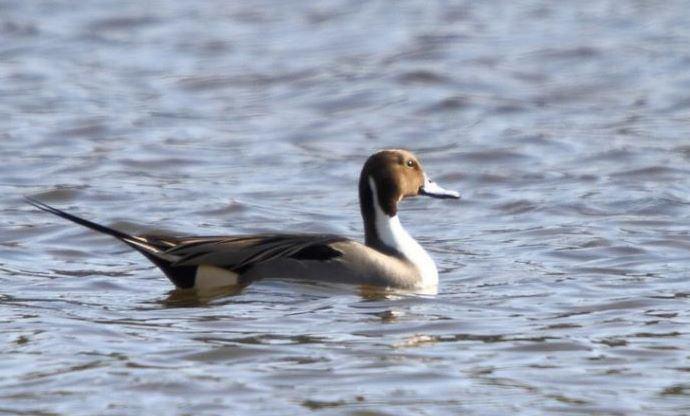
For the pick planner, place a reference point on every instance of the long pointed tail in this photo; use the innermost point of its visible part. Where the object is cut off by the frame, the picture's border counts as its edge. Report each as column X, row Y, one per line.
column 138, row 243
column 153, row 249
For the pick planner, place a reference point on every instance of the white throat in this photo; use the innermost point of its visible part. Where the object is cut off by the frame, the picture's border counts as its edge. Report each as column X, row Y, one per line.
column 391, row 232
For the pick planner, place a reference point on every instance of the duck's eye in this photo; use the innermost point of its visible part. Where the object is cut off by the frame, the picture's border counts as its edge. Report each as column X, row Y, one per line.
column 410, row 163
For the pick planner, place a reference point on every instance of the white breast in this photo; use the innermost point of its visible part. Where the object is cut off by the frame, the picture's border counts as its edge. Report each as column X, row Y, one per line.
column 392, row 233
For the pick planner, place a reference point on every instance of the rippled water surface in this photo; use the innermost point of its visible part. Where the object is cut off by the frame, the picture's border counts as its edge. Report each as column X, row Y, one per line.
column 564, row 270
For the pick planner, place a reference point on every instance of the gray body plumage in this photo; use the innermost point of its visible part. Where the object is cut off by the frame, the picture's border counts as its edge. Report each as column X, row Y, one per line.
column 325, row 258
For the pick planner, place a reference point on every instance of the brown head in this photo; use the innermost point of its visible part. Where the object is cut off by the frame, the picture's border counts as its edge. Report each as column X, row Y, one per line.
column 395, row 174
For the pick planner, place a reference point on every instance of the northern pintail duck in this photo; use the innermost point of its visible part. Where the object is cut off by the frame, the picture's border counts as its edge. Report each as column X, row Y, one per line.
column 389, row 257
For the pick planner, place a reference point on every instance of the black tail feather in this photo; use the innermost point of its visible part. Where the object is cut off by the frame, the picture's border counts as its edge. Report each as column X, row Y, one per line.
column 181, row 276
column 81, row 221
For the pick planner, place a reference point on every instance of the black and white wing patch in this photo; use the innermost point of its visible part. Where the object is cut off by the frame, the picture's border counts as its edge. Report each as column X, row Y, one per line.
column 242, row 252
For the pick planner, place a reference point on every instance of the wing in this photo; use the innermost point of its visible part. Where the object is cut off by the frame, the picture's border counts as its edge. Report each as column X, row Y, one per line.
column 239, row 253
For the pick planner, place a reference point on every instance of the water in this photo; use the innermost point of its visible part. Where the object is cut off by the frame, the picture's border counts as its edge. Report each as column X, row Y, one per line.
column 566, row 126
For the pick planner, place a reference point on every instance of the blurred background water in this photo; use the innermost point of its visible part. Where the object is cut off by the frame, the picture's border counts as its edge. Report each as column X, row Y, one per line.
column 564, row 270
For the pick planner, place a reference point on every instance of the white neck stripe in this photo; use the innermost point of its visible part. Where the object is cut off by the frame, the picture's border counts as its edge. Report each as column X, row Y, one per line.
column 391, row 233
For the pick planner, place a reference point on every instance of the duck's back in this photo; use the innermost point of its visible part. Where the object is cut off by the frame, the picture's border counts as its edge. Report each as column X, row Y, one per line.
column 342, row 261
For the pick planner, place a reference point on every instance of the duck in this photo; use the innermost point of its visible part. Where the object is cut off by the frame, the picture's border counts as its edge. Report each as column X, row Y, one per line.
column 389, row 257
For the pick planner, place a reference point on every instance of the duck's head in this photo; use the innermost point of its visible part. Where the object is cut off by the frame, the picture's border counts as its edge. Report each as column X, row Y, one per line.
column 395, row 174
